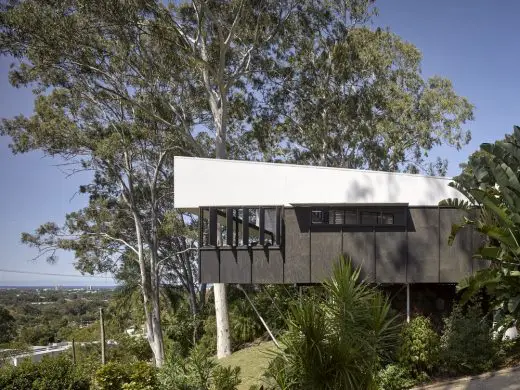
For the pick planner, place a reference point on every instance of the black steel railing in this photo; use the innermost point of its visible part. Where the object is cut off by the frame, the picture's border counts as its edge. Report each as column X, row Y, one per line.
column 259, row 226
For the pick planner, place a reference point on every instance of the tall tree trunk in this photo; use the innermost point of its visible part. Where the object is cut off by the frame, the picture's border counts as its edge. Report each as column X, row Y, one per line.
column 217, row 99
column 219, row 289
column 151, row 304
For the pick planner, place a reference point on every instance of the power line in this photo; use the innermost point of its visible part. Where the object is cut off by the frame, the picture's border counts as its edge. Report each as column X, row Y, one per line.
column 52, row 274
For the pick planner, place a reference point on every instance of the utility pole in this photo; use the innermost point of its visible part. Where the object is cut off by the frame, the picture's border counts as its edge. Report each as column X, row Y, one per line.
column 73, row 351
column 102, row 326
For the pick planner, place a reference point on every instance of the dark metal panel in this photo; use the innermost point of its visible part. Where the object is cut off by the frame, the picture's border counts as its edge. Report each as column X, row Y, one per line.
column 267, row 266
column 235, row 265
column 326, row 249
column 423, row 245
column 455, row 259
column 359, row 245
column 297, row 245
column 391, row 253
column 209, row 266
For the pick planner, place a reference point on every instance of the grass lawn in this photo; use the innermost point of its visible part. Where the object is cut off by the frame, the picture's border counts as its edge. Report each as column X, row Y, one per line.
column 252, row 361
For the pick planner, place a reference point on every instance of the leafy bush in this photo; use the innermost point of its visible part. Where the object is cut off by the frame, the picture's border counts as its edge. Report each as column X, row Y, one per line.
column 209, row 340
column 142, row 377
column 245, row 325
column 198, row 371
column 419, row 349
column 130, row 349
column 467, row 346
column 336, row 340
column 396, row 377
column 121, row 376
column 52, row 373
column 111, row 376
column 226, row 378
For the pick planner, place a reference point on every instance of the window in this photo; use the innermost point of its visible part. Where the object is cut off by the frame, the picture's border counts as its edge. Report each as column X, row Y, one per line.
column 354, row 216
column 369, row 217
column 387, row 219
column 317, row 216
column 336, row 217
column 351, row 217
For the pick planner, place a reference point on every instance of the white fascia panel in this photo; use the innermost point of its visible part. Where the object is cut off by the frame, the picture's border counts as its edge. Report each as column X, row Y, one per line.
column 210, row 182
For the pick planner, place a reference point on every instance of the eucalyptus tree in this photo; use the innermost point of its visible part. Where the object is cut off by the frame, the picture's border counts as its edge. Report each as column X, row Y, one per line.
column 355, row 98
column 105, row 104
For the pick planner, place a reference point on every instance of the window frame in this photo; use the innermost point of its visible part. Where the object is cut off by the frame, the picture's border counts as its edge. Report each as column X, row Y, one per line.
column 382, row 213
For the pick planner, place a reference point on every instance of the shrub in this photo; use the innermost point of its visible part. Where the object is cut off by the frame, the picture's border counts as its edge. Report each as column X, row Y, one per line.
column 130, row 349
column 142, row 377
column 396, row 377
column 198, row 371
column 336, row 340
column 467, row 346
column 209, row 340
column 245, row 326
column 52, row 373
column 121, row 376
column 226, row 378
column 419, row 348
column 111, row 376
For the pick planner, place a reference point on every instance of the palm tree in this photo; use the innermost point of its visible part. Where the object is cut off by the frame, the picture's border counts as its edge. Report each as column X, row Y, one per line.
column 337, row 338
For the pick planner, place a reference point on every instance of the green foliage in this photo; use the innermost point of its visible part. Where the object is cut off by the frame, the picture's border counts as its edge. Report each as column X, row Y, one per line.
column 419, row 348
column 226, row 378
column 467, row 345
column 396, row 377
column 111, row 376
column 209, row 340
column 245, row 325
column 131, row 349
column 199, row 371
column 52, row 373
column 7, row 326
column 336, row 340
column 490, row 182
column 328, row 123
column 122, row 376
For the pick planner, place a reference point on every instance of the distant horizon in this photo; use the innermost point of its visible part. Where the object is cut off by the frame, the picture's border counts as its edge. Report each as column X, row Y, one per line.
column 32, row 286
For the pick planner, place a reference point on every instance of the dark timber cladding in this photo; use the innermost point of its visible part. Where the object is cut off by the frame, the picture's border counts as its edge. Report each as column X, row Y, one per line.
column 391, row 244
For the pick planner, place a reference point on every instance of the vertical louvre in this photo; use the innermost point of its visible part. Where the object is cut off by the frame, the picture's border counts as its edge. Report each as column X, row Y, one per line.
column 213, row 226
column 202, row 242
column 278, row 226
column 245, row 226
column 229, row 226
column 336, row 217
column 261, row 225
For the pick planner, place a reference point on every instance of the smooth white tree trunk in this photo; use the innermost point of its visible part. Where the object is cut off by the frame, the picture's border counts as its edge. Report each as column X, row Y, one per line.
column 221, row 314
column 219, row 289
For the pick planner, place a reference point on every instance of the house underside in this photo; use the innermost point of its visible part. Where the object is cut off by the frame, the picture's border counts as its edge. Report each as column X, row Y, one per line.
column 279, row 223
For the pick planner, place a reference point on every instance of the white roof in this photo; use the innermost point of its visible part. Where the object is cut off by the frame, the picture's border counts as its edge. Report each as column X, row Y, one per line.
column 211, row 182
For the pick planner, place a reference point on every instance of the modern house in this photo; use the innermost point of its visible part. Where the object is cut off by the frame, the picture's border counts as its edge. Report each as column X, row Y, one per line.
column 281, row 223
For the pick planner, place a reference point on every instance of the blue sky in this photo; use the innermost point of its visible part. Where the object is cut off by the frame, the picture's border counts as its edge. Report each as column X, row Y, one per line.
column 473, row 43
